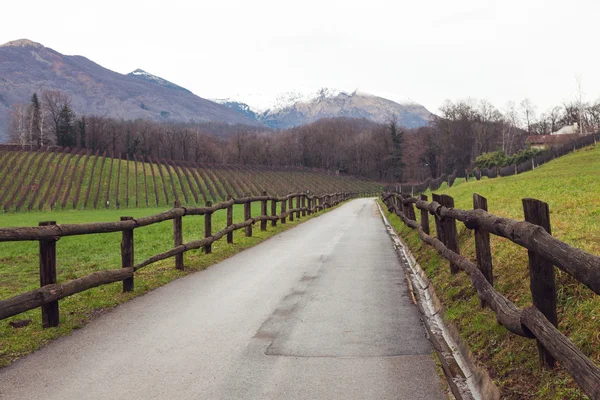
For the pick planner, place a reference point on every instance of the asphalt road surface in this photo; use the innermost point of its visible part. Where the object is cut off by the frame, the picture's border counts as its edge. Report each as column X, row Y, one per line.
column 321, row 311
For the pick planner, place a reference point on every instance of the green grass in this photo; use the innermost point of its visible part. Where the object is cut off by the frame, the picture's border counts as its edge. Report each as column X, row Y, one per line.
column 570, row 185
column 78, row 256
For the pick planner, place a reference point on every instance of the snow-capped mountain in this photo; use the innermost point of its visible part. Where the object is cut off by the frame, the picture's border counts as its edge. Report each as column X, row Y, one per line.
column 298, row 108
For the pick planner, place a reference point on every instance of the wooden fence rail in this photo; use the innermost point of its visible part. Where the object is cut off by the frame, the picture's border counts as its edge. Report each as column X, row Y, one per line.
column 48, row 233
column 545, row 252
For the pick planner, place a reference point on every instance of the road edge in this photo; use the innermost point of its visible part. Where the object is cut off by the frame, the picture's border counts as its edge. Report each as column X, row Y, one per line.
column 465, row 379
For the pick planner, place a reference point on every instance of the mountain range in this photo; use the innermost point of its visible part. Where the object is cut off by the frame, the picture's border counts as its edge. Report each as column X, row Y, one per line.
column 27, row 67
column 294, row 109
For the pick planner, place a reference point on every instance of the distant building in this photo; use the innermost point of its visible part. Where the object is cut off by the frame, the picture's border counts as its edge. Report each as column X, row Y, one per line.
column 567, row 130
column 544, row 142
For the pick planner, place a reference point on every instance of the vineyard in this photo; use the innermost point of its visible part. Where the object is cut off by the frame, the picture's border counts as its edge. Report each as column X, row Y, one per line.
column 62, row 178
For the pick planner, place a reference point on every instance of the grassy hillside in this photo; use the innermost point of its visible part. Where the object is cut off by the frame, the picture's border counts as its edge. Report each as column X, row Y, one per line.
column 570, row 185
column 63, row 179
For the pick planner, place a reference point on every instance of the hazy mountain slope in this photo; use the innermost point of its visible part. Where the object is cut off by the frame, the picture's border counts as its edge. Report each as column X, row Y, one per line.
column 148, row 77
column 27, row 67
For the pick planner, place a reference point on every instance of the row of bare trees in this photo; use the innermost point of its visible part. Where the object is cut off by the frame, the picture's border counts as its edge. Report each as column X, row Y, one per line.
column 463, row 131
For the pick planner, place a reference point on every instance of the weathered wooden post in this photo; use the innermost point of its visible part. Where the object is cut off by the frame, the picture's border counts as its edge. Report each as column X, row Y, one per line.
column 424, row 217
column 50, row 314
column 178, row 237
column 541, row 274
column 127, row 254
column 208, row 228
column 411, row 211
column 298, row 212
column 263, row 212
column 450, row 233
column 274, row 212
column 229, row 220
column 439, row 227
column 482, row 244
column 291, row 207
column 309, row 201
column 248, row 215
column 283, row 210
column 399, row 201
column 304, row 205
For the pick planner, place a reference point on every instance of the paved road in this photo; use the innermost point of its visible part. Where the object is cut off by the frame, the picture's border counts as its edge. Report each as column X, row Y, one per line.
column 318, row 312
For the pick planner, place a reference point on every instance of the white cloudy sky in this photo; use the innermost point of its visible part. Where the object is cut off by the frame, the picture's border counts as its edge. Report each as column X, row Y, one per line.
column 428, row 51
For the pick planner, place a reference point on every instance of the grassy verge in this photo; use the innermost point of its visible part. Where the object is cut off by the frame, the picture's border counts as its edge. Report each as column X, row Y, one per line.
column 81, row 255
column 570, row 186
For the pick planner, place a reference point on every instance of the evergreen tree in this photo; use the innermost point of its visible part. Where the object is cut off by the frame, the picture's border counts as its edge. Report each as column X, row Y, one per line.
column 65, row 135
column 35, row 122
column 81, row 142
column 395, row 158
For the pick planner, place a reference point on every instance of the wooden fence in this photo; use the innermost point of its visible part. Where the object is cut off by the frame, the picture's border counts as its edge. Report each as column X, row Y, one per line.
column 48, row 233
column 538, row 321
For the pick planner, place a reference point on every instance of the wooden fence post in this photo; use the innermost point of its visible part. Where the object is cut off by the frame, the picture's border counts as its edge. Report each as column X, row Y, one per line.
column 273, row 212
column 127, row 254
column 304, row 205
column 229, row 220
column 439, row 227
column 283, row 210
column 247, row 216
column 50, row 314
column 450, row 233
column 291, row 205
column 263, row 212
column 411, row 211
column 424, row 217
column 178, row 237
column 541, row 274
column 482, row 244
column 298, row 213
column 208, row 228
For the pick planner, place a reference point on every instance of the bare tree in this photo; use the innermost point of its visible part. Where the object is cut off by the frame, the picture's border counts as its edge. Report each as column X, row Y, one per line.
column 528, row 110
column 554, row 118
column 18, row 124
column 54, row 101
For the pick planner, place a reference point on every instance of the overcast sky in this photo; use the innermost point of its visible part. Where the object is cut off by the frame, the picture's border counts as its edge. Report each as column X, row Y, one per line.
column 428, row 51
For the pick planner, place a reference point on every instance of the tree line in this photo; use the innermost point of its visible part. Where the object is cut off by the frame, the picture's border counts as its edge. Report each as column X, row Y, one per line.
column 463, row 131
